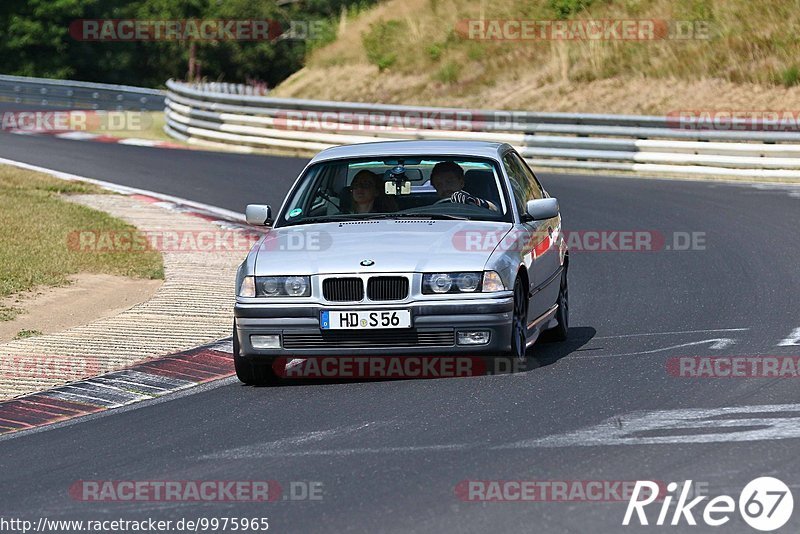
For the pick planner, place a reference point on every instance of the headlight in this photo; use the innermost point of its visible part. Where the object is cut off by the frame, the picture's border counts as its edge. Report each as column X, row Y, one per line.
column 296, row 286
column 439, row 283
column 270, row 286
column 283, row 286
column 468, row 282
column 451, row 283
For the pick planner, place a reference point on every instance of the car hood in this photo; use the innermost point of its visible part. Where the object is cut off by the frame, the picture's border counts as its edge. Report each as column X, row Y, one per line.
column 401, row 245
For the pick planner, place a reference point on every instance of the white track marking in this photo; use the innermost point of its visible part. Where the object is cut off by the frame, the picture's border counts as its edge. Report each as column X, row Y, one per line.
column 288, row 445
column 355, row 451
column 676, row 333
column 792, row 190
column 792, row 340
column 130, row 386
column 65, row 394
column 76, row 136
column 225, row 345
column 139, row 142
column 693, row 425
column 717, row 343
column 723, row 343
column 222, row 212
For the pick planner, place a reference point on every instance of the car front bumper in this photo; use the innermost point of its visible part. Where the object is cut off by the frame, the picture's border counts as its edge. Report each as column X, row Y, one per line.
column 433, row 332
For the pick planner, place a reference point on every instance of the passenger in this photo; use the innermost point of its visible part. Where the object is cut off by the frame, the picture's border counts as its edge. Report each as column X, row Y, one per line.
column 447, row 177
column 368, row 194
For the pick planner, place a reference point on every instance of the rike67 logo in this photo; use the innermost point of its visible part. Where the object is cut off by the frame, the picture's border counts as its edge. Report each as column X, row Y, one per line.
column 765, row 504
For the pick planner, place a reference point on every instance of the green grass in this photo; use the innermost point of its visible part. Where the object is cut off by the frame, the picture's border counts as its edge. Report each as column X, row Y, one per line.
column 567, row 8
column 382, row 42
column 790, row 76
column 8, row 312
column 36, row 222
column 22, row 334
column 449, row 72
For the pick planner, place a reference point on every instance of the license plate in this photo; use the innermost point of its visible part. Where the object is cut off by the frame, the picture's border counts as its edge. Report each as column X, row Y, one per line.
column 365, row 319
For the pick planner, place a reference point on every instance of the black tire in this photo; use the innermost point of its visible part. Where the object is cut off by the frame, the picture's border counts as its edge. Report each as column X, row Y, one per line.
column 561, row 330
column 519, row 322
column 250, row 372
column 514, row 359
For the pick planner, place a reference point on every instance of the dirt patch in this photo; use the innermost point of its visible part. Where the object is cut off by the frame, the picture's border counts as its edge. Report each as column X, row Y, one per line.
column 87, row 298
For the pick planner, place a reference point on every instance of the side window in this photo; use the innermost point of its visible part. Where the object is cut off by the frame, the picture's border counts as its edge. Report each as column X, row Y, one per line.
column 519, row 182
column 534, row 187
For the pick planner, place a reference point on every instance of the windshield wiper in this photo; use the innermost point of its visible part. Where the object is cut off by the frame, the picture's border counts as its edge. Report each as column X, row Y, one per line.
column 362, row 217
column 323, row 218
column 419, row 216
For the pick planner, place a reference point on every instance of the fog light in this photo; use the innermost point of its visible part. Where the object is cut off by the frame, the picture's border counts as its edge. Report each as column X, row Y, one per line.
column 266, row 342
column 473, row 337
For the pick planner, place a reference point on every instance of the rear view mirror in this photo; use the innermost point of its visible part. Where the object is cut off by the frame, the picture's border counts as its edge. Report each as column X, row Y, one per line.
column 391, row 188
column 542, row 208
column 258, row 214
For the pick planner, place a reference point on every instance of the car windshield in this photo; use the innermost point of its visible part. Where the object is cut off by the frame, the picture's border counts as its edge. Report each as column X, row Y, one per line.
column 397, row 187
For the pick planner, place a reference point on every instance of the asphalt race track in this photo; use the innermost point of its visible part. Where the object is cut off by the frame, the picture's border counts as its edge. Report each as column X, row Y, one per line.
column 390, row 454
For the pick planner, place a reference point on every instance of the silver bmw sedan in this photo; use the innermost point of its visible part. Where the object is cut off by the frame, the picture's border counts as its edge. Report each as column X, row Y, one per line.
column 403, row 248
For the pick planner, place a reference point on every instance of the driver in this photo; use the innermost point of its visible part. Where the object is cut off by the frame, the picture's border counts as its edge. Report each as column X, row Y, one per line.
column 447, row 177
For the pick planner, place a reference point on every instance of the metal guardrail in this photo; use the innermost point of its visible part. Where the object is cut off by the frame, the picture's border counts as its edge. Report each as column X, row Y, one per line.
column 649, row 144
column 78, row 95
column 233, row 88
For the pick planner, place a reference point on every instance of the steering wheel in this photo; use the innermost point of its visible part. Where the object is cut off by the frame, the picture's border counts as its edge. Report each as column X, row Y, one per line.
column 445, row 200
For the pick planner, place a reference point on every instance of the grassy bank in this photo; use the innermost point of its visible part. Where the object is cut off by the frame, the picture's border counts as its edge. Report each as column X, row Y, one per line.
column 36, row 223
column 742, row 54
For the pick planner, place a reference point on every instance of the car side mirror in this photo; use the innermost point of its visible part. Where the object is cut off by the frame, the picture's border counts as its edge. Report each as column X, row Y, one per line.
column 542, row 208
column 258, row 214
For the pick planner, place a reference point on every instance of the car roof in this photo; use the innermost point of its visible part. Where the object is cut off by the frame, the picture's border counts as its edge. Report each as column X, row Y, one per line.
column 413, row 148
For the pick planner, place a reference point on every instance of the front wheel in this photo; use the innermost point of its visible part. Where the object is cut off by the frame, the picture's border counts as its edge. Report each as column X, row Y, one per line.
column 519, row 322
column 514, row 359
column 559, row 332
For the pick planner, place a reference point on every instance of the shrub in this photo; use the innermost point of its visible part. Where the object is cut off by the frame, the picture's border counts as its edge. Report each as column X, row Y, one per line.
column 382, row 41
column 790, row 76
column 449, row 72
column 565, row 8
column 435, row 51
